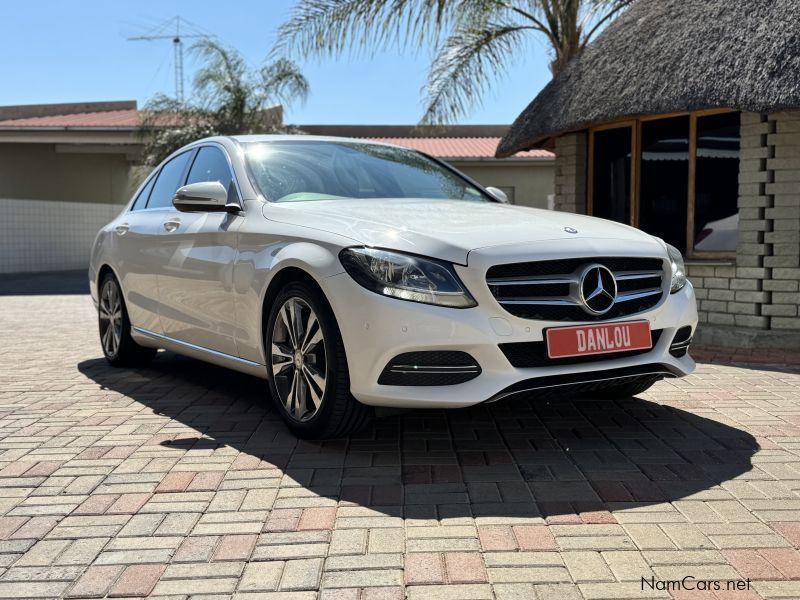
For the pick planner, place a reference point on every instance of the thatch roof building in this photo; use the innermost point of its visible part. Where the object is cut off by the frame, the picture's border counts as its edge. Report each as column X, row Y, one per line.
column 682, row 119
column 665, row 56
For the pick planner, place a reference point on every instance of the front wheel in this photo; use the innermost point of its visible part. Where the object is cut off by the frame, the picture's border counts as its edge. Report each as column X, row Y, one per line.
column 307, row 367
column 119, row 348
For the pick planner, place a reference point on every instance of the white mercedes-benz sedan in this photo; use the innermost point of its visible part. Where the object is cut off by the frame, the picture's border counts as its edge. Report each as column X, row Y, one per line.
column 352, row 274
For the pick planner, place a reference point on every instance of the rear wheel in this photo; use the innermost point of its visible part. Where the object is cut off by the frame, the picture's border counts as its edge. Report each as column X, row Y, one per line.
column 307, row 366
column 119, row 348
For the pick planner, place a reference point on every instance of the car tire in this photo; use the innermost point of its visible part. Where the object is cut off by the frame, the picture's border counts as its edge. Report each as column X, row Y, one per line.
column 623, row 390
column 114, row 326
column 307, row 367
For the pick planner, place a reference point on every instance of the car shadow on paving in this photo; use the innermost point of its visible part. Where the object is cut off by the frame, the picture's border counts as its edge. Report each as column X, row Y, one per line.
column 571, row 460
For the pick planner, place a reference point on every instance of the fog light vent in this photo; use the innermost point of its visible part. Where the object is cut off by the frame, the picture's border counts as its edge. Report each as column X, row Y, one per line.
column 680, row 343
column 439, row 367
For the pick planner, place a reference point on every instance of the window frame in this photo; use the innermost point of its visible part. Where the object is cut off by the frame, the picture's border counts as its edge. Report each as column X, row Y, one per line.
column 635, row 125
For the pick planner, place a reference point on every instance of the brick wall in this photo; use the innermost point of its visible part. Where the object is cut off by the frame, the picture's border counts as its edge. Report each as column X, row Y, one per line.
column 762, row 289
column 754, row 299
column 570, row 188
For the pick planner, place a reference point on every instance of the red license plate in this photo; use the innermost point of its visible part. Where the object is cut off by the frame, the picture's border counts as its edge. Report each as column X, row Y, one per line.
column 581, row 340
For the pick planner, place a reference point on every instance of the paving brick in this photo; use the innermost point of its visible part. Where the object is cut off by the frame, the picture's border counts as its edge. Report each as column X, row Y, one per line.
column 317, row 518
column 496, row 538
column 386, row 540
column 196, row 549
column 348, row 541
column 786, row 560
column 128, row 504
column 534, row 537
column 235, row 547
column 424, row 567
column 207, row 481
column 301, row 574
column 137, row 580
column 750, row 564
column 464, row 567
column 96, row 581
column 450, row 592
column 587, row 566
column 261, row 576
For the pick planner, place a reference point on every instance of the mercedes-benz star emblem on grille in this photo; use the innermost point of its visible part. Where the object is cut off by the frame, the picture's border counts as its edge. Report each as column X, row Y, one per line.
column 597, row 289
column 570, row 230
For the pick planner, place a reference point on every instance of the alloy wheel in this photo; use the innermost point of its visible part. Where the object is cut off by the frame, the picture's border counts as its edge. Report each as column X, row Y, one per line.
column 110, row 318
column 298, row 359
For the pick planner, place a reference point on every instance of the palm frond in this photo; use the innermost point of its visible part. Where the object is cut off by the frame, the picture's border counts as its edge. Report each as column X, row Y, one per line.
column 332, row 27
column 282, row 81
column 228, row 99
column 467, row 63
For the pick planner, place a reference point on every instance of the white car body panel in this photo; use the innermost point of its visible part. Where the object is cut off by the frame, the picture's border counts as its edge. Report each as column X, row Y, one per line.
column 200, row 290
column 444, row 229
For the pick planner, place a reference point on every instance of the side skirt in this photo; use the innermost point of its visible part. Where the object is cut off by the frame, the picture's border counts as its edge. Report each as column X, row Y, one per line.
column 156, row 340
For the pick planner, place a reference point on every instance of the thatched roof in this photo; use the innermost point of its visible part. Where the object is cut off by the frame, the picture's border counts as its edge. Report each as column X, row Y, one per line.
column 665, row 56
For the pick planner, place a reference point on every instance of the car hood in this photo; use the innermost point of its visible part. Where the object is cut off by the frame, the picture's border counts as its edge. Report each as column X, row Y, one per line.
column 446, row 229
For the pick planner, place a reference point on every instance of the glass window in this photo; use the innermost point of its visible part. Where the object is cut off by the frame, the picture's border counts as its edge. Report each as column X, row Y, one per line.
column 716, row 214
column 664, row 179
column 141, row 199
column 292, row 171
column 210, row 164
column 169, row 180
column 611, row 192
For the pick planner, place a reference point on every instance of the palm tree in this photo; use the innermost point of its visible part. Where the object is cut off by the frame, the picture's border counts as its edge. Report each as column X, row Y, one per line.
column 228, row 99
column 474, row 41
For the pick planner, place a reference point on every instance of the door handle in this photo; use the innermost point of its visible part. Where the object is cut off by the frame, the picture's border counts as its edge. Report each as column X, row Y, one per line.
column 171, row 226
column 121, row 229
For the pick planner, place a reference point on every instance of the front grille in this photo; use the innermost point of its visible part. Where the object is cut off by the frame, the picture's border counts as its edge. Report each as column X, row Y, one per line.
column 548, row 290
column 528, row 355
column 438, row 367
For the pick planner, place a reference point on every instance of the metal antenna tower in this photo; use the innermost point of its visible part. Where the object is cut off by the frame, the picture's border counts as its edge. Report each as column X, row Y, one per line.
column 177, row 45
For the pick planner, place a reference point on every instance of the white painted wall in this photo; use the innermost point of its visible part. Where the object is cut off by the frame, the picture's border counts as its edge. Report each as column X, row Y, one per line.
column 46, row 235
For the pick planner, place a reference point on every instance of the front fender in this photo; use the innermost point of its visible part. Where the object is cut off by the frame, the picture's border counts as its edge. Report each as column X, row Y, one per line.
column 259, row 262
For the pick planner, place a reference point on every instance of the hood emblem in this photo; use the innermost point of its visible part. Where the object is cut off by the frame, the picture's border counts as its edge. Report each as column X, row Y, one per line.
column 570, row 230
column 597, row 289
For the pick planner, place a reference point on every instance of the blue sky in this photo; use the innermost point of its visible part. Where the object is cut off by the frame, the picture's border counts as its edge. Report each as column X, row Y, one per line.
column 77, row 51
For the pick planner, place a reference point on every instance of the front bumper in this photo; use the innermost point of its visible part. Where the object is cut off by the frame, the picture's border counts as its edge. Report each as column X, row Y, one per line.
column 375, row 329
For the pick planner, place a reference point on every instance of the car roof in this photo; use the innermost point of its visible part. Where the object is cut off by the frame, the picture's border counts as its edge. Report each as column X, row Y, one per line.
column 249, row 139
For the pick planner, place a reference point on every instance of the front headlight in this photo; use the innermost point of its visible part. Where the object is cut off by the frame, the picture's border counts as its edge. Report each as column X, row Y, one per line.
column 406, row 277
column 678, row 269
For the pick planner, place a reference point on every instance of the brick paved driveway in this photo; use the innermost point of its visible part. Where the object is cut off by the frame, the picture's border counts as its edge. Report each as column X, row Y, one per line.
column 178, row 481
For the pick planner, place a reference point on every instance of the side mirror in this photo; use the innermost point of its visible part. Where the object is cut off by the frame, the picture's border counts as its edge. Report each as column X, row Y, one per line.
column 498, row 194
column 202, row 196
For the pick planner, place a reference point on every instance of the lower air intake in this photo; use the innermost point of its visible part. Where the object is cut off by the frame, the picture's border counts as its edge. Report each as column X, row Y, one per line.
column 440, row 367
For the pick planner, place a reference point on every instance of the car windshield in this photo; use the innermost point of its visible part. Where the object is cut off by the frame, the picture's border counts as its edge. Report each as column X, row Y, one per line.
column 299, row 170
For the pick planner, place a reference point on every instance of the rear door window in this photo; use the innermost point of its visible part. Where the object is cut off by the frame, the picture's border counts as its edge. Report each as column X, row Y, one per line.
column 169, row 180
